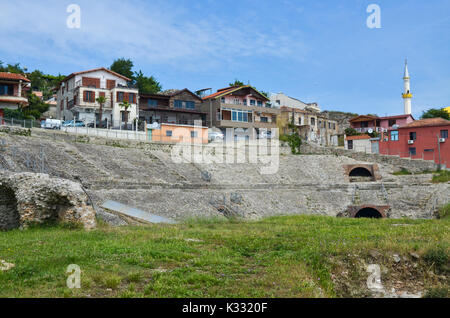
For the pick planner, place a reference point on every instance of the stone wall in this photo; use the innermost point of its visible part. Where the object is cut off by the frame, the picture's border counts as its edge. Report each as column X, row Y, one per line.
column 413, row 165
column 36, row 198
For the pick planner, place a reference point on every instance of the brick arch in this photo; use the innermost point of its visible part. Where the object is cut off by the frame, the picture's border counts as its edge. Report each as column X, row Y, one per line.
column 381, row 209
column 373, row 169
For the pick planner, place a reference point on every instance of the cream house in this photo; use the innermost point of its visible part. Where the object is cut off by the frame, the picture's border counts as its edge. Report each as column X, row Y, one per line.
column 78, row 92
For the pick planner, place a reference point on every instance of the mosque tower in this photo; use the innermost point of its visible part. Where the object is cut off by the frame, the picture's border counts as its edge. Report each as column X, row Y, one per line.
column 407, row 96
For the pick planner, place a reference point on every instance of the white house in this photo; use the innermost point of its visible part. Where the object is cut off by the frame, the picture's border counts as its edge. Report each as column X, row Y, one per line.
column 281, row 99
column 78, row 92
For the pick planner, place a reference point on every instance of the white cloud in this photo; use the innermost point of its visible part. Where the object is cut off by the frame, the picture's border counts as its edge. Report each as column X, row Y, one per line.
column 156, row 33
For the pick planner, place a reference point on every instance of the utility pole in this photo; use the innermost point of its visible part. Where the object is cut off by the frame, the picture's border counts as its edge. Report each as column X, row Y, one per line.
column 439, row 152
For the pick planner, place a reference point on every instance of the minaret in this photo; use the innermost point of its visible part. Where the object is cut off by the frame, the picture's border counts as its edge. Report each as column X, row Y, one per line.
column 407, row 96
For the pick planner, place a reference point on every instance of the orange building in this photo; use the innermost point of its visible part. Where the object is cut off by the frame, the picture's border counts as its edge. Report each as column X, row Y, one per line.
column 178, row 133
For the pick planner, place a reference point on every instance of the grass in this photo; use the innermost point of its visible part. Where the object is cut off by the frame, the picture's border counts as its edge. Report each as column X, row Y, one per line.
column 442, row 176
column 402, row 172
column 289, row 256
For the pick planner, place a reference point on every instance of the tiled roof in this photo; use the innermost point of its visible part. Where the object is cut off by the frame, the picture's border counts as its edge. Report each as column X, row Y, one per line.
column 225, row 91
column 363, row 118
column 427, row 122
column 95, row 70
column 397, row 117
column 359, row 137
column 13, row 76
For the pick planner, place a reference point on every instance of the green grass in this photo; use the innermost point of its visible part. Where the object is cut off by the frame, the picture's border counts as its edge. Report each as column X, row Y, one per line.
column 402, row 172
column 442, row 176
column 290, row 256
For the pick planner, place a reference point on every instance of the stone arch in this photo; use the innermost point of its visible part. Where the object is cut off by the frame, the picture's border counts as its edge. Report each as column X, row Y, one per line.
column 360, row 172
column 369, row 212
column 9, row 214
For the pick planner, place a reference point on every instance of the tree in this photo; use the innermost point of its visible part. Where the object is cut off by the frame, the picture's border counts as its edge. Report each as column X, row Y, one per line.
column 436, row 113
column 12, row 68
column 147, row 85
column 101, row 100
column 237, row 83
column 123, row 67
column 125, row 105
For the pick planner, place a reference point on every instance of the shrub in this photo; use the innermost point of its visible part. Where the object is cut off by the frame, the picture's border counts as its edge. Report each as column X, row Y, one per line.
column 402, row 172
column 437, row 292
column 441, row 176
column 438, row 257
column 444, row 212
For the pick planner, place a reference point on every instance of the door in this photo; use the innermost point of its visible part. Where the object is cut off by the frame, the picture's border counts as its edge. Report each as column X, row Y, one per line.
column 375, row 147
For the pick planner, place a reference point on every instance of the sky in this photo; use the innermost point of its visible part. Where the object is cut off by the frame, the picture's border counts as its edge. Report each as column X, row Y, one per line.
column 316, row 51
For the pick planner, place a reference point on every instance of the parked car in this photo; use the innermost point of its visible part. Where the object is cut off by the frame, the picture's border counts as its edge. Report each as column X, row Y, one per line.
column 265, row 134
column 51, row 123
column 73, row 123
column 215, row 136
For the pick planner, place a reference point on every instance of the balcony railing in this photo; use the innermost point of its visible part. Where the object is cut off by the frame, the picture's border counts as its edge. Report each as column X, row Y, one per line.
column 367, row 129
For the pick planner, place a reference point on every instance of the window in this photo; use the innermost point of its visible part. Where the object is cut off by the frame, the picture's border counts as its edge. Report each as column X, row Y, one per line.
column 264, row 119
column 152, row 103
column 252, row 102
column 350, row 144
column 277, row 102
column 260, row 103
column 194, row 134
column 329, row 125
column 444, row 134
column 120, row 96
column 412, row 135
column 169, row 133
column 334, row 126
column 132, row 98
column 394, row 135
column 392, row 122
column 222, row 99
column 89, row 96
column 7, row 90
column 244, row 102
column 364, row 124
column 428, row 150
column 239, row 115
column 313, row 121
column 190, row 105
column 412, row 151
column 178, row 104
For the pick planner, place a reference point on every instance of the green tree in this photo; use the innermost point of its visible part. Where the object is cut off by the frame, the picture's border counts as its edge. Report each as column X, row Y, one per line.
column 101, row 100
column 123, row 66
column 436, row 113
column 236, row 83
column 125, row 105
column 147, row 85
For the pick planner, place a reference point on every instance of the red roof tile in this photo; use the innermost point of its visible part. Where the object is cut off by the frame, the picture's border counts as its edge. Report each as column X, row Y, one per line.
column 359, row 137
column 13, row 76
column 427, row 123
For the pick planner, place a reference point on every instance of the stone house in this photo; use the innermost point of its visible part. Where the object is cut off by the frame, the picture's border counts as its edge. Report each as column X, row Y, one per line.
column 77, row 93
column 12, row 91
column 240, row 109
column 173, row 106
column 312, row 126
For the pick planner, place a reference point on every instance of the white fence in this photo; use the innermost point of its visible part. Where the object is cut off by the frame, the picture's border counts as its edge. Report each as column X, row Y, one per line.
column 107, row 133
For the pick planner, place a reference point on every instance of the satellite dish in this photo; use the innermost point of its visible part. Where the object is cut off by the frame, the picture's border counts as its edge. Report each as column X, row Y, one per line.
column 370, row 131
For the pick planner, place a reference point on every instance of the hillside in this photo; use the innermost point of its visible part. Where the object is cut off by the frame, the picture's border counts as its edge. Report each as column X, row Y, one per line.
column 295, row 256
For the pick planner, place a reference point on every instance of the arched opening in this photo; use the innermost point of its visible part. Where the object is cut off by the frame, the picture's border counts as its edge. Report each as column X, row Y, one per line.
column 9, row 215
column 368, row 213
column 360, row 172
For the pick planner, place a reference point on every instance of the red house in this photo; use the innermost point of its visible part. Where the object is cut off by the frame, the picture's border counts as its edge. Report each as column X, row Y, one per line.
column 422, row 139
column 12, row 91
column 367, row 123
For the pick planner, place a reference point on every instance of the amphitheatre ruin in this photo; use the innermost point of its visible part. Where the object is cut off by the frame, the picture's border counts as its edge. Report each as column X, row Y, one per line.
column 144, row 176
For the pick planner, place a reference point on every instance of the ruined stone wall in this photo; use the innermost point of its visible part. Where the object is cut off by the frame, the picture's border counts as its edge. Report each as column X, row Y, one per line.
column 413, row 165
column 36, row 198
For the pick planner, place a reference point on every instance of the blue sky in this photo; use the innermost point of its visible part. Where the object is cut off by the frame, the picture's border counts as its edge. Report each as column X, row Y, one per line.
column 317, row 51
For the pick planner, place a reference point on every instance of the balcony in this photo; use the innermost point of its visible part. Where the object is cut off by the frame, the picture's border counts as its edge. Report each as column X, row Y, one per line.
column 367, row 129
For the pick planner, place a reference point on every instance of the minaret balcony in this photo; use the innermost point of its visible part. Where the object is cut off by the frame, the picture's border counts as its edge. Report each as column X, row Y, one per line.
column 408, row 95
